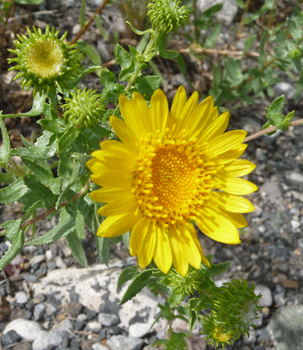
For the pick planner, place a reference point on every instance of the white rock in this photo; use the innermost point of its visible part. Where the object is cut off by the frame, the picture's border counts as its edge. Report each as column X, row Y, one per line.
column 21, row 298
column 83, row 282
column 98, row 346
column 49, row 254
column 93, row 326
column 45, row 339
column 107, row 319
column 60, row 263
column 138, row 330
column 120, row 342
column 36, row 259
column 266, row 299
column 28, row 330
column 226, row 14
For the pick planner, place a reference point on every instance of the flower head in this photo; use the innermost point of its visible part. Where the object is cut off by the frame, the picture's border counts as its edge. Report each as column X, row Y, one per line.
column 171, row 168
column 167, row 15
column 83, row 108
column 44, row 60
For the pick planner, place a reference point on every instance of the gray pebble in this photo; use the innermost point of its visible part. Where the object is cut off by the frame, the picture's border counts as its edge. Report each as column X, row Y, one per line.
column 120, row 342
column 284, row 88
column 93, row 327
column 59, row 262
column 45, row 339
column 98, row 346
column 21, row 298
column 266, row 299
column 39, row 311
column 107, row 319
column 139, row 330
column 30, row 278
column 9, row 338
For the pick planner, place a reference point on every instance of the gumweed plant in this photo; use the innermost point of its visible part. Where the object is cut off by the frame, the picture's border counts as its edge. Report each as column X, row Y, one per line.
column 143, row 172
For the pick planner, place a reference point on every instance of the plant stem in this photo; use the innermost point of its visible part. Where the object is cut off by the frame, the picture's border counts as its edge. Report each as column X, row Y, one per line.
column 49, row 211
column 269, row 129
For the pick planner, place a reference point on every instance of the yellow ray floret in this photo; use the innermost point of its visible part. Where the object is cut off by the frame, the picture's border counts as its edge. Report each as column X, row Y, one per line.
column 170, row 169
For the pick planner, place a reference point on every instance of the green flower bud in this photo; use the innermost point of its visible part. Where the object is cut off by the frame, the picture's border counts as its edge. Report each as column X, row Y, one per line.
column 83, row 108
column 44, row 60
column 233, row 312
column 295, row 54
column 167, row 15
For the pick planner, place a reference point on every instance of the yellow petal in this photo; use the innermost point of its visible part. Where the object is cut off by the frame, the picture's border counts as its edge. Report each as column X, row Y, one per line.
column 158, row 110
column 135, row 113
column 178, row 103
column 216, row 128
column 179, row 252
column 234, row 185
column 163, row 254
column 235, row 218
column 239, row 167
column 107, row 177
column 124, row 133
column 229, row 202
column 116, row 225
column 186, row 113
column 201, row 117
column 194, row 250
column 123, row 204
column 106, row 194
column 147, row 248
column 232, row 155
column 226, row 142
column 217, row 227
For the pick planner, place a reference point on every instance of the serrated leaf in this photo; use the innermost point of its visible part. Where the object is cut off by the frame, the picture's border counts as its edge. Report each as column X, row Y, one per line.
column 249, row 42
column 175, row 298
column 218, row 269
column 295, row 29
column 11, row 228
column 65, row 225
column 213, row 36
column 67, row 139
column 89, row 51
column 79, row 225
column 76, row 248
column 127, row 274
column 13, row 250
column 6, row 178
column 13, row 192
column 5, row 149
column 42, row 192
column 148, row 85
column 103, row 248
column 40, row 173
column 274, row 111
column 136, row 286
column 123, row 57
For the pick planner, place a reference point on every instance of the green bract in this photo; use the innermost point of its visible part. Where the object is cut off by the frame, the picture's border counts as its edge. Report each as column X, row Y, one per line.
column 83, row 108
column 167, row 15
column 44, row 60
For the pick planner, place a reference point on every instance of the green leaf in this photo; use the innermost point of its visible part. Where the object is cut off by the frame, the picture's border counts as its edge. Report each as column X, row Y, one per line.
column 175, row 298
column 6, row 147
column 13, row 250
column 103, row 248
column 91, row 53
column 274, row 111
column 79, row 225
column 234, row 72
column 37, row 108
column 218, row 269
column 42, row 192
column 295, row 29
column 213, row 36
column 76, row 248
column 137, row 285
column 6, row 178
column 148, row 85
column 65, row 225
column 249, row 42
column 29, row 2
column 13, row 192
column 160, row 46
column 67, row 139
column 127, row 274
column 43, row 174
column 44, row 148
column 12, row 228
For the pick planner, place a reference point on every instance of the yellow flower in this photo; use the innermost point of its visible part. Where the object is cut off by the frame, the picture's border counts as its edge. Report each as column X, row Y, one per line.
column 171, row 168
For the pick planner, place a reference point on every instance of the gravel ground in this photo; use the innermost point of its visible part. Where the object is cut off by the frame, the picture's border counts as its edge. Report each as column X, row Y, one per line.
column 270, row 255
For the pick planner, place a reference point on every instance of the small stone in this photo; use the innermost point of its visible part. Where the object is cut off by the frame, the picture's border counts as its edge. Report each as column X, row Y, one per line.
column 39, row 311
column 59, row 262
column 98, row 346
column 93, row 327
column 139, row 330
column 51, row 265
column 49, row 254
column 46, row 339
column 21, row 298
column 107, row 319
column 37, row 259
column 28, row 330
column 120, row 342
column 51, row 310
column 284, row 88
column 74, row 309
column 266, row 299
column 30, row 278
column 81, row 318
column 11, row 337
